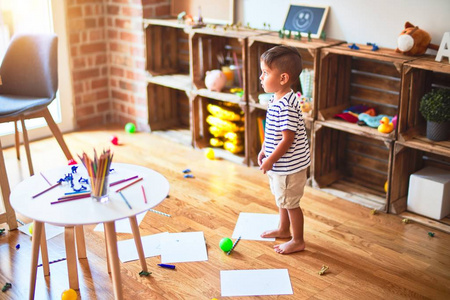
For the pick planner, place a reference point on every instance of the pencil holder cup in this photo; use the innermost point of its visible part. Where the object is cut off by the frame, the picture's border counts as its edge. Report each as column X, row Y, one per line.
column 100, row 188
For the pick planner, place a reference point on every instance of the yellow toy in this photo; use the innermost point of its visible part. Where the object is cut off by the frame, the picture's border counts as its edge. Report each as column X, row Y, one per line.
column 222, row 113
column 223, row 124
column 209, row 153
column 215, row 142
column 385, row 126
column 69, row 295
column 233, row 148
column 216, row 131
column 234, row 137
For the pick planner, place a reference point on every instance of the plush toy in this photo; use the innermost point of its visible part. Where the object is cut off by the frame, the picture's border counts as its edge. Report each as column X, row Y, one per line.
column 414, row 41
column 215, row 80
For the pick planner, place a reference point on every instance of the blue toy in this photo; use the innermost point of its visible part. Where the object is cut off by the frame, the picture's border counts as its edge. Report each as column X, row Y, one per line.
column 372, row 121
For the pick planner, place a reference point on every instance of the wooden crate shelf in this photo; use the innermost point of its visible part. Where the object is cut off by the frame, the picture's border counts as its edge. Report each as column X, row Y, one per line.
column 309, row 50
column 167, row 47
column 201, row 134
column 421, row 76
column 408, row 160
column 168, row 108
column 206, row 44
column 351, row 166
column 359, row 77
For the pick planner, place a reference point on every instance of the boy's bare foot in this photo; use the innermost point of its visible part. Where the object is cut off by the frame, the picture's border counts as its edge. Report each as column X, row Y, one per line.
column 276, row 233
column 289, row 247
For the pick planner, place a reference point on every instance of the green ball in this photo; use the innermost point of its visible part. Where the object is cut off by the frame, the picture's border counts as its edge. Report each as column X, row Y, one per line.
column 226, row 244
column 130, row 128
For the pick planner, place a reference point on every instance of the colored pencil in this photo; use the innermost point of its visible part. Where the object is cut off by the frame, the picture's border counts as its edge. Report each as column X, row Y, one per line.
column 143, row 192
column 128, row 185
column 45, row 179
column 46, row 190
column 98, row 171
column 125, row 199
column 122, row 180
column 66, row 200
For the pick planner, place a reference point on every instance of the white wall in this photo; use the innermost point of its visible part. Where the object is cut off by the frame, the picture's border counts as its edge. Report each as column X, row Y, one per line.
column 357, row 21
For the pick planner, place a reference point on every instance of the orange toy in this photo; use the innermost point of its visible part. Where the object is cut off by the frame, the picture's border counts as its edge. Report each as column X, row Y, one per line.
column 414, row 41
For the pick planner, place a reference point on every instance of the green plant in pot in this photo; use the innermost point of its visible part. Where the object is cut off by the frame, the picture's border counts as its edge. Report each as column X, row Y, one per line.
column 435, row 108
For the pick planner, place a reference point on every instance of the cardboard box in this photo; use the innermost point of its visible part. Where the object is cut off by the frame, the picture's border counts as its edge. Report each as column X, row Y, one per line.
column 429, row 193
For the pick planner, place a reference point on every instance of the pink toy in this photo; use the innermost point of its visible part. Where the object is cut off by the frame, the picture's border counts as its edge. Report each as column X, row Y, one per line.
column 215, row 80
column 114, row 140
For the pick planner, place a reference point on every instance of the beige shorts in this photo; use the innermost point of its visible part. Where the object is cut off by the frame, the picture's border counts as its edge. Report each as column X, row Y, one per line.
column 287, row 189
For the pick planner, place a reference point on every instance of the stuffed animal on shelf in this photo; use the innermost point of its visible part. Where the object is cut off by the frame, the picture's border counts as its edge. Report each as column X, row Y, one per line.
column 414, row 41
column 385, row 126
column 215, row 80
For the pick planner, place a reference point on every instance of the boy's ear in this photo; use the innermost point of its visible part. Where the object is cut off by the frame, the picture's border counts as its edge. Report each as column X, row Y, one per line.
column 284, row 78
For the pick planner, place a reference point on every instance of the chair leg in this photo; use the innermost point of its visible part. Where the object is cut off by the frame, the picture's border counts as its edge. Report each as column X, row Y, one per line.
column 16, row 134
column 27, row 146
column 56, row 133
column 6, row 191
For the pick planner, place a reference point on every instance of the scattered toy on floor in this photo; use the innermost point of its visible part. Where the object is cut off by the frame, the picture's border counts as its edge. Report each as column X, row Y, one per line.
column 69, row 294
column 130, row 127
column 323, row 270
column 186, row 171
column 6, row 287
column 188, row 176
column 431, row 234
column 226, row 244
column 209, row 153
column 406, row 221
column 144, row 273
column 114, row 140
column 373, row 212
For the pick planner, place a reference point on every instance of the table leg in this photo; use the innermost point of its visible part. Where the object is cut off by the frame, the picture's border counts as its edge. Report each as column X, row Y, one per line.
column 81, row 244
column 114, row 259
column 44, row 252
column 35, row 242
column 69, row 240
column 138, row 242
column 106, row 245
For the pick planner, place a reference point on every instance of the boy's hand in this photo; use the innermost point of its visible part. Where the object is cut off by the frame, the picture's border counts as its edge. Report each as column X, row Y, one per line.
column 266, row 165
column 261, row 156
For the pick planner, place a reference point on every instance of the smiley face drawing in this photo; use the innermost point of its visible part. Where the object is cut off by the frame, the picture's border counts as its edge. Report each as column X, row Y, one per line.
column 303, row 20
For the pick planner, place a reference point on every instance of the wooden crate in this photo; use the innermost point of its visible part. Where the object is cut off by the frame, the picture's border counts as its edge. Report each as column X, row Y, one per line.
column 421, row 76
column 310, row 52
column 252, row 125
column 167, row 108
column 208, row 43
column 200, row 128
column 351, row 166
column 408, row 159
column 360, row 77
column 167, row 47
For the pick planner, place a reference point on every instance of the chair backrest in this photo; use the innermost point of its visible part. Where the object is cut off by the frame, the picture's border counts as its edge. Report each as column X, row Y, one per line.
column 29, row 67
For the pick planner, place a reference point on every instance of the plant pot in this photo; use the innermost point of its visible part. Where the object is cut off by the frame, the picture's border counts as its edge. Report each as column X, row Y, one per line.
column 438, row 131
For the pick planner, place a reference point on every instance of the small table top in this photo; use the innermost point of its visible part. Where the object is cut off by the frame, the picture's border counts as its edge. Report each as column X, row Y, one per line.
column 88, row 211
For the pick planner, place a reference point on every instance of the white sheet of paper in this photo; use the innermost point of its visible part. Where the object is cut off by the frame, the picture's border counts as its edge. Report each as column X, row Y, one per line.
column 50, row 230
column 255, row 282
column 150, row 243
column 249, row 226
column 123, row 226
column 183, row 247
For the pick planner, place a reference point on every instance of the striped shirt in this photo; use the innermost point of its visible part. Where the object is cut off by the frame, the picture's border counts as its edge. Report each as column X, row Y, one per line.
column 286, row 114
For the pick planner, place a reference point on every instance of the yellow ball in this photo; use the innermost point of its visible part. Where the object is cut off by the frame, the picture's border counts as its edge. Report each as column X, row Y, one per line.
column 30, row 228
column 386, row 186
column 209, row 153
column 69, row 295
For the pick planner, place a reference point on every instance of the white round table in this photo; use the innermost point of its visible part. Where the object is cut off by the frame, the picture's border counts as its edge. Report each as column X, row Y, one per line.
column 74, row 214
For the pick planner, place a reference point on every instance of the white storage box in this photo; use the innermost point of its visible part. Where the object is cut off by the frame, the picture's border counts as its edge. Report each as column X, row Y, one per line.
column 429, row 193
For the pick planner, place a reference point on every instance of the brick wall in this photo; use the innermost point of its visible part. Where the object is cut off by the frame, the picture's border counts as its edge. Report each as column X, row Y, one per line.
column 107, row 59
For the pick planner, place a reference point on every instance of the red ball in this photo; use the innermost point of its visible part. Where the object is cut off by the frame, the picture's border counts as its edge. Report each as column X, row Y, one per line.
column 114, row 140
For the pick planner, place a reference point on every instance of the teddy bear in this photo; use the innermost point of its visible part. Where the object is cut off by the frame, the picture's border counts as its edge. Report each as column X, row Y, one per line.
column 414, row 41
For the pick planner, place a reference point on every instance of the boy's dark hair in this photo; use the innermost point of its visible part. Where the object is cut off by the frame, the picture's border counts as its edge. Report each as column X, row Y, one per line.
column 287, row 59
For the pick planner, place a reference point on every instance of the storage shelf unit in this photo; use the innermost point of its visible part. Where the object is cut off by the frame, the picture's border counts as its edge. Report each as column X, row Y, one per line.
column 345, row 152
column 206, row 46
column 168, row 80
column 413, row 151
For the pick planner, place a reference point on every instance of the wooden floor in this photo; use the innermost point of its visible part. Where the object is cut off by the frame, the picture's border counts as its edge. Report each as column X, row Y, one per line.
column 369, row 256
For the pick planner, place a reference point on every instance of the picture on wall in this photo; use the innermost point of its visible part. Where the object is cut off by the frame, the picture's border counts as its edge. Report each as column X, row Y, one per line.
column 304, row 19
